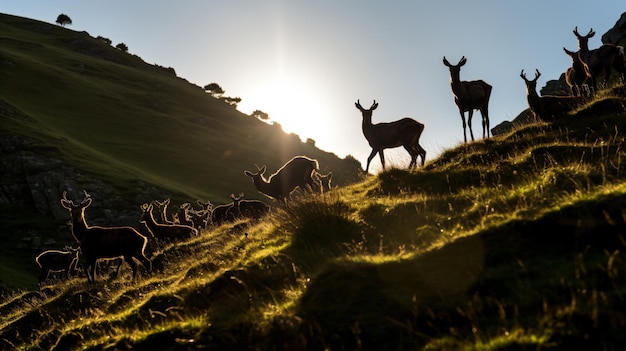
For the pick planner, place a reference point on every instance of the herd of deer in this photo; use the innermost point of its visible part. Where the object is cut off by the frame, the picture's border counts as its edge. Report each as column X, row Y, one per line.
column 106, row 243
column 587, row 67
column 97, row 242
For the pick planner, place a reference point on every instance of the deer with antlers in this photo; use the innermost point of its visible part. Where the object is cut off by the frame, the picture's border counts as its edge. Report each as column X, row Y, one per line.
column 104, row 242
column 547, row 107
column 469, row 96
column 598, row 62
column 405, row 132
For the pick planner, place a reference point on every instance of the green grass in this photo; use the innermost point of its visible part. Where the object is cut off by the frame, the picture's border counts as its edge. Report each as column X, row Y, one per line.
column 523, row 249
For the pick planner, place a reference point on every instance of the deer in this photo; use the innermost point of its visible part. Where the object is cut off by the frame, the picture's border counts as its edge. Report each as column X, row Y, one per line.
column 324, row 180
column 252, row 209
column 469, row 96
column 547, row 107
column 161, row 207
column 98, row 242
column 166, row 232
column 297, row 172
column 405, row 132
column 56, row 261
column 575, row 76
column 183, row 214
column 598, row 62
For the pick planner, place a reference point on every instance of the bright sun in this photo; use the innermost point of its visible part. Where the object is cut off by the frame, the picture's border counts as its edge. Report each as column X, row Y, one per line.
column 293, row 105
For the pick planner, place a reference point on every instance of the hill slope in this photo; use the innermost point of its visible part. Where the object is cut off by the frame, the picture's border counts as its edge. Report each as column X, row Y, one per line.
column 79, row 114
column 515, row 242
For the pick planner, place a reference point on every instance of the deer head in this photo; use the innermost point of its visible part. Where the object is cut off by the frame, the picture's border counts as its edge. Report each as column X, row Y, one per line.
column 583, row 40
column 531, row 84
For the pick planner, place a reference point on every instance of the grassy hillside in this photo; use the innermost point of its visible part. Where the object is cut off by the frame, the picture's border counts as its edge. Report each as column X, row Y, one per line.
column 111, row 114
column 121, row 121
column 511, row 243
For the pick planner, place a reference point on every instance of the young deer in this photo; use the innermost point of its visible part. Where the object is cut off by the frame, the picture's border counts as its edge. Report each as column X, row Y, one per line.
column 104, row 242
column 56, row 261
column 295, row 173
column 576, row 76
column 405, row 132
column 547, row 107
column 469, row 96
column 598, row 62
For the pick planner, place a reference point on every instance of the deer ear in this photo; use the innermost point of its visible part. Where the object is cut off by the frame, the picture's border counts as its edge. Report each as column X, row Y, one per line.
column 248, row 173
column 463, row 61
column 445, row 62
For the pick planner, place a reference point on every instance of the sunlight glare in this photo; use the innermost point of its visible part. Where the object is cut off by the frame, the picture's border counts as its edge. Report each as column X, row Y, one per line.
column 294, row 105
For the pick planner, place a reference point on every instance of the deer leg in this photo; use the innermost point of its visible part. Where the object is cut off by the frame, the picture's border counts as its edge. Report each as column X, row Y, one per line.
column 422, row 153
column 411, row 150
column 469, row 122
column 464, row 125
column 132, row 264
column 382, row 158
column 369, row 159
column 91, row 271
column 44, row 275
column 484, row 112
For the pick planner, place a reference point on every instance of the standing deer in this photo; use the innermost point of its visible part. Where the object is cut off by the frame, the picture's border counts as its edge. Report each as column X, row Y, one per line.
column 469, row 96
column 165, row 232
column 405, row 132
column 576, row 76
column 598, row 62
column 104, row 242
column 298, row 172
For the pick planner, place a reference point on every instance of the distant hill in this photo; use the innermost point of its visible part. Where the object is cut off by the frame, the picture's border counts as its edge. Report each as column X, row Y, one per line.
column 79, row 114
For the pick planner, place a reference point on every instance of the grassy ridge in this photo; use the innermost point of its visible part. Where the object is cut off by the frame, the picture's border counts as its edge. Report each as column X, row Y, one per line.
column 515, row 242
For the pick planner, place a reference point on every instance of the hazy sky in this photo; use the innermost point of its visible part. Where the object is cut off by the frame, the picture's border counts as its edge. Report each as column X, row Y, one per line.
column 305, row 63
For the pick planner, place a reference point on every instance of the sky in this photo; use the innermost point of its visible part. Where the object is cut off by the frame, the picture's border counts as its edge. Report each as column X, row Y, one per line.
column 305, row 63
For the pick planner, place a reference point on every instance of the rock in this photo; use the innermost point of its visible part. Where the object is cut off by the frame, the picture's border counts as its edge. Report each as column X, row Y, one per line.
column 617, row 33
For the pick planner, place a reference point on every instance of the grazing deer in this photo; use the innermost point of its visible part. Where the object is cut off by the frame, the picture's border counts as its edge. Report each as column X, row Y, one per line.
column 166, row 232
column 598, row 62
column 221, row 214
column 576, row 76
column 293, row 174
column 547, row 107
column 104, row 242
column 405, row 132
column 469, row 96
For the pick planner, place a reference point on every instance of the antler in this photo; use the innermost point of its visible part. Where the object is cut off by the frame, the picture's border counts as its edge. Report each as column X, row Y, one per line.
column 537, row 74
column 589, row 35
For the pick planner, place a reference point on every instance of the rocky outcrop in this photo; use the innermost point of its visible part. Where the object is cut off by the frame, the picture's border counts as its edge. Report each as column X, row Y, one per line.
column 617, row 33
column 34, row 179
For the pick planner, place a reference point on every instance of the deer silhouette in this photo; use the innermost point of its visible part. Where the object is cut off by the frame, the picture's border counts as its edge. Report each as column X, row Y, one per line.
column 297, row 172
column 547, row 107
column 469, row 96
column 575, row 76
column 598, row 62
column 405, row 132
column 104, row 242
